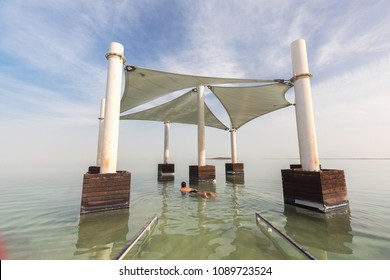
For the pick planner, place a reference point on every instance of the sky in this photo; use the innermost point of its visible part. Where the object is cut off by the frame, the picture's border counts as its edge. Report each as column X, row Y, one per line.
column 53, row 75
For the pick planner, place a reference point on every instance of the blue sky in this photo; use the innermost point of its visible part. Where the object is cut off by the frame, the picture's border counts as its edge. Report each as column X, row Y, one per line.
column 53, row 74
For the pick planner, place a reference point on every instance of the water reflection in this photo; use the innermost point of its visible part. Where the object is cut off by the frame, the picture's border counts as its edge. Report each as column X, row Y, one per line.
column 164, row 189
column 181, row 222
column 246, row 242
column 320, row 233
column 102, row 234
column 196, row 228
column 204, row 186
column 225, row 228
column 238, row 179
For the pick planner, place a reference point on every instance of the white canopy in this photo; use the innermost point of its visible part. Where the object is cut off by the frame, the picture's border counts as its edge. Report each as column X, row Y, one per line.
column 180, row 110
column 143, row 85
column 244, row 104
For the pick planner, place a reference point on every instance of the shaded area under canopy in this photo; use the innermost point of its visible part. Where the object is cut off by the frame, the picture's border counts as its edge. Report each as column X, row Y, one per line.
column 183, row 109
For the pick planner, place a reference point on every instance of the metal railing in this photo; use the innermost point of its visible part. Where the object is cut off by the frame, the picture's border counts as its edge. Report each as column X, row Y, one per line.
column 286, row 237
column 146, row 228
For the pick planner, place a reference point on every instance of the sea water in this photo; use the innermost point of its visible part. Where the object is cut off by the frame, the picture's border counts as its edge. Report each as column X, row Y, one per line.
column 39, row 216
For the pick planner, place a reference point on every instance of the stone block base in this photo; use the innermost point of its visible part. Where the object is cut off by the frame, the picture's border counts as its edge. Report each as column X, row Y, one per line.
column 202, row 173
column 324, row 190
column 234, row 168
column 103, row 192
column 166, row 172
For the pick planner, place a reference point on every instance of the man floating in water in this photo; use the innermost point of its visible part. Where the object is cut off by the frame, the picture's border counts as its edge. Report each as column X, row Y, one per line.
column 194, row 192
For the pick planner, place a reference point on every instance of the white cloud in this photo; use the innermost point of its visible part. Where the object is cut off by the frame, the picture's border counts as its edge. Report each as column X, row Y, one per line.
column 352, row 111
column 34, row 103
column 53, row 67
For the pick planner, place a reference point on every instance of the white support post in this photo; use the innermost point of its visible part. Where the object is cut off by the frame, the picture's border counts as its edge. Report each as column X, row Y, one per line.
column 201, row 127
column 233, row 145
column 115, row 57
column 166, row 142
column 304, row 107
column 101, row 130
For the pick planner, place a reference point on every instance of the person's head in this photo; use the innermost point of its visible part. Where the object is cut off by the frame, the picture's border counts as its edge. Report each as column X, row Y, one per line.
column 183, row 184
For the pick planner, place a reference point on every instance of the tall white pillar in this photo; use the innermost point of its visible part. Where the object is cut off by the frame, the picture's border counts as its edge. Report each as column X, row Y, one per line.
column 233, row 145
column 201, row 127
column 115, row 57
column 166, row 142
column 304, row 107
column 101, row 130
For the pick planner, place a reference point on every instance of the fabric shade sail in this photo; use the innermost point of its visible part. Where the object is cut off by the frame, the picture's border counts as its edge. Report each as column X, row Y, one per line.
column 143, row 85
column 182, row 109
column 244, row 104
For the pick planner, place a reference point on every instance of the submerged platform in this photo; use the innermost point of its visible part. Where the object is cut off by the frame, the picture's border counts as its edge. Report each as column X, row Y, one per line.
column 323, row 190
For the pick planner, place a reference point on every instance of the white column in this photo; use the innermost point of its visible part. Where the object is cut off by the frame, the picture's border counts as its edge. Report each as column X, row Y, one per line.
column 115, row 57
column 304, row 107
column 201, row 127
column 101, row 130
column 233, row 143
column 166, row 142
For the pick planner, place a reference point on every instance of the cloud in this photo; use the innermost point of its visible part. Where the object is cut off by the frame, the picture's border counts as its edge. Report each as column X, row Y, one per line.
column 54, row 71
column 353, row 36
column 220, row 40
column 50, row 74
column 36, row 104
column 352, row 111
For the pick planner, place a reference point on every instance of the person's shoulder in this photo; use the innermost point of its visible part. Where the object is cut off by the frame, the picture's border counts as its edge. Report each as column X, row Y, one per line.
column 187, row 189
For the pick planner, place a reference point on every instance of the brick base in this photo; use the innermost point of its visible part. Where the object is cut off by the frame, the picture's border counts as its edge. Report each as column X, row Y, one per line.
column 234, row 168
column 202, row 173
column 323, row 190
column 166, row 172
column 103, row 192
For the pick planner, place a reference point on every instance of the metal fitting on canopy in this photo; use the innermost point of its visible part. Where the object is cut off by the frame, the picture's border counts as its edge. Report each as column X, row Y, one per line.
column 130, row 68
column 299, row 76
column 120, row 55
column 285, row 82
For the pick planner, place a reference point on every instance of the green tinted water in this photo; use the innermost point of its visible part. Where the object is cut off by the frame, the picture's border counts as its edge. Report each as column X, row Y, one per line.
column 40, row 217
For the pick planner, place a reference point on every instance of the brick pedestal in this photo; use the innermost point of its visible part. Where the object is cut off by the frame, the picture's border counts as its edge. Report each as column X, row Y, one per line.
column 166, row 172
column 103, row 192
column 202, row 173
column 234, row 168
column 323, row 190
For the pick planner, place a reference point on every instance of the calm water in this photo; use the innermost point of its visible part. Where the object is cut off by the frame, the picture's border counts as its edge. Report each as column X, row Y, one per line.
column 40, row 216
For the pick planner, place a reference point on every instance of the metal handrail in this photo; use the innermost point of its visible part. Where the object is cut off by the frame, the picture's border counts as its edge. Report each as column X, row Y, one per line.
column 287, row 238
column 122, row 253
